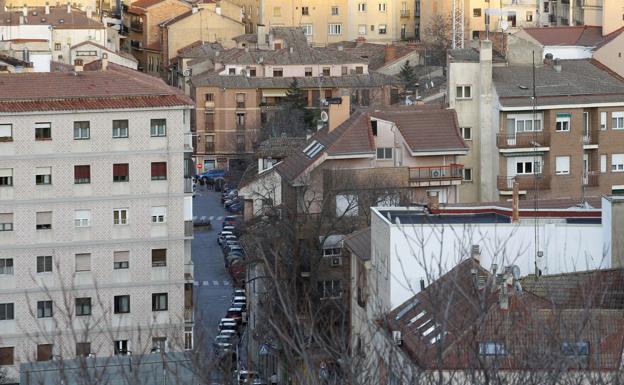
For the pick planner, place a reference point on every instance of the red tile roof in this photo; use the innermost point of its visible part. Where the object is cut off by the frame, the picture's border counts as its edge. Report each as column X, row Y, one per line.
column 577, row 35
column 118, row 87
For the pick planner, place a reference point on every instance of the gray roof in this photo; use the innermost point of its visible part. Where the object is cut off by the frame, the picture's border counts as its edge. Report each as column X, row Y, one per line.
column 279, row 147
column 359, row 243
column 286, row 56
column 212, row 79
column 580, row 81
column 464, row 54
column 200, row 49
column 115, row 370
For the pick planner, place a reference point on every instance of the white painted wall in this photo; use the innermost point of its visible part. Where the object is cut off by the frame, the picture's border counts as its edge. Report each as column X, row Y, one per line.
column 568, row 52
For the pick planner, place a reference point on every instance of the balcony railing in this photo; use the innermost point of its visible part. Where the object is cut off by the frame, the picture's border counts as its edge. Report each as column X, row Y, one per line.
column 525, row 182
column 209, row 147
column 405, row 13
column 591, row 179
column 591, row 138
column 188, row 228
column 450, row 172
column 189, row 315
column 240, row 126
column 240, row 147
column 137, row 27
column 209, row 126
column 522, row 140
column 240, row 105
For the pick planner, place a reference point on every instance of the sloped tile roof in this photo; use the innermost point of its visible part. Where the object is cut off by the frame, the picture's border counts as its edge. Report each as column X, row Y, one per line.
column 584, row 35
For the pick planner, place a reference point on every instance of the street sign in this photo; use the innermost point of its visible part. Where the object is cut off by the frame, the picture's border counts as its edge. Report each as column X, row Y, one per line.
column 199, row 165
column 264, row 349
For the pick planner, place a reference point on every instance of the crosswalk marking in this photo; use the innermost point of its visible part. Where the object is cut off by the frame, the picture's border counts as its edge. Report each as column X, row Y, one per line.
column 206, row 283
column 226, row 283
column 216, row 283
column 213, row 283
column 211, row 218
column 196, row 283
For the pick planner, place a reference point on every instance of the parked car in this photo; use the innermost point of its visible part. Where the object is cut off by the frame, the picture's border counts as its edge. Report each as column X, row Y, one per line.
column 231, row 220
column 233, row 248
column 226, row 321
column 226, row 332
column 212, row 174
column 235, row 313
column 222, row 234
column 228, row 238
column 244, row 377
column 240, row 293
column 241, row 306
column 224, row 339
column 230, row 325
column 236, row 207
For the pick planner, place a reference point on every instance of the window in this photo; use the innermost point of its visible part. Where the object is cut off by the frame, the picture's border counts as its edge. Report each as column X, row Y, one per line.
column 617, row 120
column 43, row 175
column 120, row 128
column 307, row 29
column 305, row 11
column 83, row 262
column 382, row 7
column 82, row 174
column 158, row 127
column 562, row 165
column 83, row 349
column 344, row 70
column 44, row 352
column 580, row 348
column 120, row 216
column 372, row 27
column 326, row 71
column 6, row 356
column 382, row 29
column 330, row 289
column 81, row 130
column 6, row 132
column 563, row 122
column 252, row 72
column 6, row 312
column 384, row 153
column 476, row 12
column 57, row 46
column 44, row 264
column 44, row 309
column 467, row 176
column 240, row 119
column 523, row 123
column 332, row 252
column 492, row 349
column 159, row 302
column 277, row 11
column 83, row 306
column 121, row 172
column 313, row 149
column 466, row 133
column 334, row 11
column 308, row 71
column 43, row 131
column 603, row 121
column 6, row 266
column 159, row 213
column 463, row 92
column 121, row 347
column 209, row 97
column 362, row 29
column 232, row 71
column 617, row 162
column 359, row 70
column 159, row 257
column 6, row 221
column 278, row 72
column 529, row 16
column 159, row 170
column 603, row 163
column 121, row 260
column 82, row 218
column 335, row 29
column 527, row 167
column 121, row 304
column 43, row 220
column 346, row 205
column 6, row 177
column 159, row 344
column 546, row 7
column 240, row 142
column 362, row 7
column 240, row 100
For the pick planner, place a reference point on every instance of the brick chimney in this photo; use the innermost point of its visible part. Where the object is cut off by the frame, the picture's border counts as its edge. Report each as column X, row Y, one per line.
column 515, row 202
column 390, row 53
column 433, row 202
column 47, row 8
column 68, row 7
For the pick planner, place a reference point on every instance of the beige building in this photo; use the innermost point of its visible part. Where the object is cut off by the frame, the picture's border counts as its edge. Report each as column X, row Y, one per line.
column 608, row 14
column 95, row 216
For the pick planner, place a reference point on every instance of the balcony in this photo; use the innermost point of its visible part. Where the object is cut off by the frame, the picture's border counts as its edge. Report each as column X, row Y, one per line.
column 188, row 185
column 188, row 228
column 525, row 182
column 209, row 147
column 135, row 44
column 523, row 140
column 591, row 179
column 189, row 315
column 436, row 175
column 209, row 126
column 405, row 13
column 188, row 141
column 240, row 126
column 240, row 147
column 136, row 26
column 240, row 105
column 590, row 140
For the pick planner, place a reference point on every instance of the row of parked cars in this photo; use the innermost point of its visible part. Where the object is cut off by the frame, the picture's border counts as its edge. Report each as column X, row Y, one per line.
column 229, row 326
column 231, row 202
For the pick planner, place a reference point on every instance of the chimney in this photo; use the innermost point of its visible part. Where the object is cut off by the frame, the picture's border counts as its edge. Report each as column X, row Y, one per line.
column 475, row 252
column 433, row 203
column 195, row 8
column 557, row 65
column 47, row 8
column 21, row 19
column 291, row 49
column 503, row 298
column 25, row 10
column 104, row 61
column 68, row 7
column 390, row 53
column 78, row 65
column 218, row 10
column 89, row 12
column 340, row 48
column 548, row 60
column 515, row 203
column 422, row 284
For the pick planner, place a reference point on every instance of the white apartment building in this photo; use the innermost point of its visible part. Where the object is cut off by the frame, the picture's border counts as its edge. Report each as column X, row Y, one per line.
column 95, row 216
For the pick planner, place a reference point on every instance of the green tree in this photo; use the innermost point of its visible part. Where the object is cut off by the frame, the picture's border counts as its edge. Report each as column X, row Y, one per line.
column 408, row 76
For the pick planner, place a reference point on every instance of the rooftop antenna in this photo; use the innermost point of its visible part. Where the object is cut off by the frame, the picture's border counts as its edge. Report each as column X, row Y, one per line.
column 458, row 24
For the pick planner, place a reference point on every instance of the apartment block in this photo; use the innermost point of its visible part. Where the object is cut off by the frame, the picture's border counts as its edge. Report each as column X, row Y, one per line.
column 564, row 143
column 608, row 14
column 95, row 216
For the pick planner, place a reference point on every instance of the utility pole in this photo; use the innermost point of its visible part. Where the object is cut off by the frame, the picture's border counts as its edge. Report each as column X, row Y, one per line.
column 457, row 21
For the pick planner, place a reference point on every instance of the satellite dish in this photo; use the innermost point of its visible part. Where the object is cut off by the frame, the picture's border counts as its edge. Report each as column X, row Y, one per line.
column 515, row 270
column 324, row 116
column 504, row 25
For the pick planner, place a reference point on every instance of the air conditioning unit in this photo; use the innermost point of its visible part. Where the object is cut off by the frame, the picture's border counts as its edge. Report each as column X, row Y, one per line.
column 187, row 72
column 336, row 261
column 436, row 173
column 397, row 337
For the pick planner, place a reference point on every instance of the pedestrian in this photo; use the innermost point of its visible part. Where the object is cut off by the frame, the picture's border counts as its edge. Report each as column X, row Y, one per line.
column 274, row 379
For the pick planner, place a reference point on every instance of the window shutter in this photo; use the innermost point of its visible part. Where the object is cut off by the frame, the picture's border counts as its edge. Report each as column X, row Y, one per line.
column 159, row 210
column 44, row 218
column 120, row 169
column 83, row 262
column 6, row 218
column 43, row 170
column 121, row 256
column 603, row 163
column 6, row 356
column 159, row 257
column 44, row 352
column 82, row 172
column 6, row 130
column 6, row 172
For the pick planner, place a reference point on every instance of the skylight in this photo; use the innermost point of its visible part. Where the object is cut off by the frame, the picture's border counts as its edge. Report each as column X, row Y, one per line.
column 313, row 149
column 417, row 317
column 406, row 309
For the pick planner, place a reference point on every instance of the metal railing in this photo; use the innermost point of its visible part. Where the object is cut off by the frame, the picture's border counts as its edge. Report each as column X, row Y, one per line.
column 405, row 13
column 189, row 314
column 209, row 147
column 525, row 182
column 522, row 139
column 453, row 171
column 591, row 179
column 135, row 26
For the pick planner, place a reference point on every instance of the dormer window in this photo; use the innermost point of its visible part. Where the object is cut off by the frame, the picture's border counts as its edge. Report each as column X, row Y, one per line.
column 268, row 163
column 313, row 149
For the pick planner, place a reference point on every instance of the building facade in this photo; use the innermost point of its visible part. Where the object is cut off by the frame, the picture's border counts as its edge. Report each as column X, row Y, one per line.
column 96, row 216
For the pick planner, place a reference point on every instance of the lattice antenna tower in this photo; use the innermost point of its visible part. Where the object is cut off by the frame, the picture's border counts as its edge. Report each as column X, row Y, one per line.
column 457, row 16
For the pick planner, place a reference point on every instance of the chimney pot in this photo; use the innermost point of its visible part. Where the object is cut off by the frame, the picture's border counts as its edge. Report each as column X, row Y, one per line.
column 25, row 10
column 557, row 65
column 68, row 7
column 47, row 8
column 434, row 204
column 104, row 61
